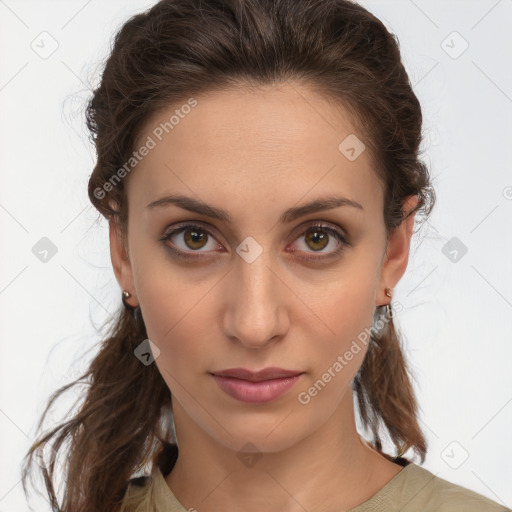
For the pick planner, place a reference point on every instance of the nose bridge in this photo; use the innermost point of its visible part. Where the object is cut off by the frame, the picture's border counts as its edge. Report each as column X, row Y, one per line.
column 255, row 314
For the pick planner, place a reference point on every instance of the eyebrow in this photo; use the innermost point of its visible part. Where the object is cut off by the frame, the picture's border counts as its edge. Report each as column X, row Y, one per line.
column 194, row 205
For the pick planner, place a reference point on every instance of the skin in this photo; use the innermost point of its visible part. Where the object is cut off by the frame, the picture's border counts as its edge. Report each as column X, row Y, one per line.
column 255, row 154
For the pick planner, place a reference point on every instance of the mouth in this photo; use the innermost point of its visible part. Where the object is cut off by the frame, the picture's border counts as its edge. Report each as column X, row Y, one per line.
column 256, row 387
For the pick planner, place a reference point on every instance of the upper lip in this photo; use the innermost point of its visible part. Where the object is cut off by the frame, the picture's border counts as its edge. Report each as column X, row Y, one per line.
column 257, row 376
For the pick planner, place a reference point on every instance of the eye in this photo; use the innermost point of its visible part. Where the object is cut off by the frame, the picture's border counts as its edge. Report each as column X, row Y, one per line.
column 319, row 236
column 193, row 237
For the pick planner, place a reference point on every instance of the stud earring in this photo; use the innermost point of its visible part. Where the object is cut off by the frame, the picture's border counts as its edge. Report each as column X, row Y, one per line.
column 126, row 295
column 135, row 311
column 387, row 291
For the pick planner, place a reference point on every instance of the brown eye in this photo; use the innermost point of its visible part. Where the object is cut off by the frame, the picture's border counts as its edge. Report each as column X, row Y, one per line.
column 317, row 239
column 189, row 238
column 195, row 238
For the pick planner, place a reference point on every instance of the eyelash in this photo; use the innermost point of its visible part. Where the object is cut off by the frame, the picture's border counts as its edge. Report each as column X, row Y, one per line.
column 321, row 227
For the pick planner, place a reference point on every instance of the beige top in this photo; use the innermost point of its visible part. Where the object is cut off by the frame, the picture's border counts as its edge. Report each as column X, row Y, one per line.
column 412, row 489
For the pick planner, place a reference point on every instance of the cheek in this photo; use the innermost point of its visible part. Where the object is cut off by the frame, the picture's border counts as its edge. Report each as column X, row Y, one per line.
column 338, row 357
column 347, row 301
column 182, row 342
column 347, row 307
column 178, row 320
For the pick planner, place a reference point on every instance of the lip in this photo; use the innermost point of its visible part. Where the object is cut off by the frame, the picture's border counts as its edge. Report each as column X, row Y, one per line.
column 269, row 373
column 256, row 387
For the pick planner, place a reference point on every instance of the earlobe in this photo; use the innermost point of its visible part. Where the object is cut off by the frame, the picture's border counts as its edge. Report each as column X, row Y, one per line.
column 120, row 262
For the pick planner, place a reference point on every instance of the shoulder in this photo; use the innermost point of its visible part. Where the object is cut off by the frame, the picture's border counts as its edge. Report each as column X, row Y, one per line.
column 147, row 493
column 425, row 490
column 140, row 481
column 138, row 495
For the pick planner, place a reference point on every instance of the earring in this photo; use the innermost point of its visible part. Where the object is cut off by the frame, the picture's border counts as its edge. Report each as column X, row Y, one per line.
column 387, row 291
column 126, row 295
column 135, row 311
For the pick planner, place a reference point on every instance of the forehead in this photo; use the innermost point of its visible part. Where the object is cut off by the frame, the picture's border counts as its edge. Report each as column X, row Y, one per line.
column 260, row 147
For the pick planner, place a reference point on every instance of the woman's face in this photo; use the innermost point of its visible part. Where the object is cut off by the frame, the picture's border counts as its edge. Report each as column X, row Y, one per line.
column 252, row 287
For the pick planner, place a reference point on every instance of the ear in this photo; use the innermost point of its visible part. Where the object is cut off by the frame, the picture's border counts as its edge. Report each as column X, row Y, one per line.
column 397, row 252
column 120, row 262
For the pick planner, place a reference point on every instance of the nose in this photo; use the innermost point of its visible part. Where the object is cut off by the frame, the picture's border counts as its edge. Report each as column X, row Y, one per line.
column 256, row 313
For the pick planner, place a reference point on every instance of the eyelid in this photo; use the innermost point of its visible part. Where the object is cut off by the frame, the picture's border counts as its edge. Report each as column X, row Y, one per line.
column 312, row 223
column 181, row 226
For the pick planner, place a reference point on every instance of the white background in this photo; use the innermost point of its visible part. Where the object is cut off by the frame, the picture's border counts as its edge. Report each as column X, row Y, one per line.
column 457, row 321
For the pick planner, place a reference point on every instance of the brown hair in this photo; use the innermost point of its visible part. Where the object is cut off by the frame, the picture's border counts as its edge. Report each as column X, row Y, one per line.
column 164, row 56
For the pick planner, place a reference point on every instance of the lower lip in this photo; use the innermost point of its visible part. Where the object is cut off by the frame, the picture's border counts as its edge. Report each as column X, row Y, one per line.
column 255, row 392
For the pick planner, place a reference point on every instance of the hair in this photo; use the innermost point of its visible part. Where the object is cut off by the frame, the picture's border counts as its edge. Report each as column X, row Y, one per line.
column 164, row 56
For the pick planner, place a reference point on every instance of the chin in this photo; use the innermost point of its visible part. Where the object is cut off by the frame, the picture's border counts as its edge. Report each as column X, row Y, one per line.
column 258, row 441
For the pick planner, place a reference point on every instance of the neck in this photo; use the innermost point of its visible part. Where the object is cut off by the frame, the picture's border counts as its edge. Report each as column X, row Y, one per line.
column 332, row 469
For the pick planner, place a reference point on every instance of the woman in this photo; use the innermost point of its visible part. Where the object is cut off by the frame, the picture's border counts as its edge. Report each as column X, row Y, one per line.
column 236, row 139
